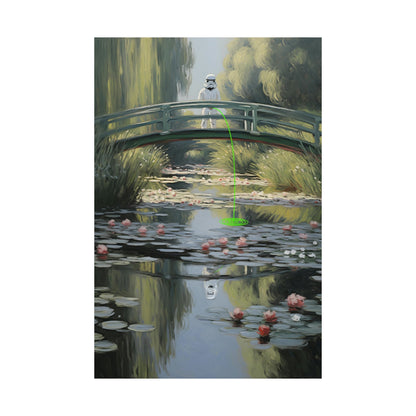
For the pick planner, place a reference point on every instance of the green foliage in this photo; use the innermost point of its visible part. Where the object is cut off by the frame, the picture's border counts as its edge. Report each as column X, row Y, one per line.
column 121, row 177
column 276, row 71
column 288, row 171
column 132, row 72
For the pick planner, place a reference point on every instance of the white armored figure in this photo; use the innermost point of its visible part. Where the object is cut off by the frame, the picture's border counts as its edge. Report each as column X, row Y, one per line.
column 209, row 92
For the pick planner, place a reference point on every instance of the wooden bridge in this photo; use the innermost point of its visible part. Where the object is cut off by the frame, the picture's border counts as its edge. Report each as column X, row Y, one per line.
column 292, row 130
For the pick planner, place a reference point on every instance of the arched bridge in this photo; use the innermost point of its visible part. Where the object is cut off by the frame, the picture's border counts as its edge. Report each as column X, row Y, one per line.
column 296, row 131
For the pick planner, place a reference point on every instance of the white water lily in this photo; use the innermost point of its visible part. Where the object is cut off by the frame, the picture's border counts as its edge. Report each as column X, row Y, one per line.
column 293, row 251
column 302, row 255
column 296, row 317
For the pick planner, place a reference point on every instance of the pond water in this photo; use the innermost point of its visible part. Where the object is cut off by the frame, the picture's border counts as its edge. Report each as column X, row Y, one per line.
column 166, row 289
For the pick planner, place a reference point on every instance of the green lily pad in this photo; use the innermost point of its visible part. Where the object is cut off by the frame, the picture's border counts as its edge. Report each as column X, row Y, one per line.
column 250, row 319
column 313, row 308
column 288, row 343
column 141, row 328
column 100, row 301
column 104, row 346
column 126, row 302
column 258, row 346
column 102, row 265
column 103, row 311
column 120, row 263
column 113, row 325
column 249, row 334
column 102, row 289
column 281, row 326
column 108, row 296
column 98, row 337
column 235, row 330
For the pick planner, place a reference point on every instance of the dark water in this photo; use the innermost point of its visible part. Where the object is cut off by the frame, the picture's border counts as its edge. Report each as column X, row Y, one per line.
column 184, row 294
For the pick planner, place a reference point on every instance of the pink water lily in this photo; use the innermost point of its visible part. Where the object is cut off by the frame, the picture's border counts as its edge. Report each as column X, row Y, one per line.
column 142, row 230
column 126, row 222
column 102, row 249
column 295, row 301
column 241, row 242
column 287, row 228
column 211, row 242
column 225, row 251
column 264, row 330
column 303, row 236
column 313, row 224
column 270, row 316
column 237, row 314
column 111, row 223
column 161, row 226
column 205, row 246
column 223, row 241
column 161, row 231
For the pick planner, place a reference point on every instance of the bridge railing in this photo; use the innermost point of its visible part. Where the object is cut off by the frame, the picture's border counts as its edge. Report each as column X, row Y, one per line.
column 251, row 117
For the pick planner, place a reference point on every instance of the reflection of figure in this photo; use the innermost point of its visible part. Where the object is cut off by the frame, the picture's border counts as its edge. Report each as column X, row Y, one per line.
column 209, row 92
column 211, row 288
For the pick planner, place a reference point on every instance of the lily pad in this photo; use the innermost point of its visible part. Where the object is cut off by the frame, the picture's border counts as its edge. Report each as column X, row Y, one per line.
column 104, row 346
column 235, row 330
column 313, row 308
column 258, row 346
column 98, row 337
column 103, row 311
column 251, row 318
column 310, row 330
column 102, row 265
column 288, row 343
column 249, row 263
column 108, row 296
column 120, row 263
column 281, row 326
column 146, row 259
column 141, row 328
column 126, row 302
column 102, row 289
column 249, row 334
column 113, row 325
column 101, row 301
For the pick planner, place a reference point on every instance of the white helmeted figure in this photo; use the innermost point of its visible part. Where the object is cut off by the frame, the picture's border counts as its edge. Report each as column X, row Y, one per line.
column 209, row 92
column 211, row 288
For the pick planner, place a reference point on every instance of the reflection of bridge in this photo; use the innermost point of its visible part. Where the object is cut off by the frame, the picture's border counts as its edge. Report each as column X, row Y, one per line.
column 296, row 131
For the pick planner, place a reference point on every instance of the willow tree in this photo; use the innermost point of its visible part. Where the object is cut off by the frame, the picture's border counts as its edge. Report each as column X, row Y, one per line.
column 132, row 72
column 277, row 71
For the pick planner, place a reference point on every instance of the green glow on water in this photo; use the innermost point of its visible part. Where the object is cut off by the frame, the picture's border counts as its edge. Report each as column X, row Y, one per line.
column 232, row 221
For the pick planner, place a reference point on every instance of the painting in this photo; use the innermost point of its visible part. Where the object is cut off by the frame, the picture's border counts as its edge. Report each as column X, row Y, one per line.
column 208, row 193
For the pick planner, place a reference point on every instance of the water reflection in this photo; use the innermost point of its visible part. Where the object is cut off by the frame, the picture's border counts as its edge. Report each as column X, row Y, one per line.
column 211, row 288
column 180, row 339
column 163, row 303
column 175, row 290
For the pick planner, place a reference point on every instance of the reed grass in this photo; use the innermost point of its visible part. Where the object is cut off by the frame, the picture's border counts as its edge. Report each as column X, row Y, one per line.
column 245, row 155
column 288, row 171
column 120, row 177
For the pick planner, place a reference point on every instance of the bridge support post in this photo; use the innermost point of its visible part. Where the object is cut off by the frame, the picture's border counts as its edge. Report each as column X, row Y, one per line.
column 254, row 121
column 246, row 121
column 165, row 120
column 316, row 133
